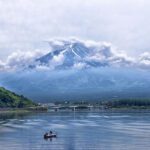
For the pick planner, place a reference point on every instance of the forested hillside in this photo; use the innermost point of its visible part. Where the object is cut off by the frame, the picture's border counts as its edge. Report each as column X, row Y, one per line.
column 12, row 100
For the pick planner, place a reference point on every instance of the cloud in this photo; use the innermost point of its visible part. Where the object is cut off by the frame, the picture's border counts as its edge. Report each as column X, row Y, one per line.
column 73, row 53
column 20, row 60
column 79, row 65
column 24, row 23
column 144, row 60
column 56, row 61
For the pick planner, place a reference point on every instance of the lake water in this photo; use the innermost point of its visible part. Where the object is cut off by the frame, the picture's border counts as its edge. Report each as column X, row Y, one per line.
column 76, row 131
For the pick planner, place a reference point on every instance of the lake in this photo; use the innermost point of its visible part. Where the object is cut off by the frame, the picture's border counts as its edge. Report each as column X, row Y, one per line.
column 76, row 131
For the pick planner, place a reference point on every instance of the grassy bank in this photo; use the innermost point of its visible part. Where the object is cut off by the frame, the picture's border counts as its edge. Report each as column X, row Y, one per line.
column 23, row 110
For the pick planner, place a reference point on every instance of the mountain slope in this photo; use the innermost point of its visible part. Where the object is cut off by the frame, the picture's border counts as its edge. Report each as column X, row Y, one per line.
column 74, row 54
column 10, row 99
column 96, row 84
column 75, row 69
column 77, row 54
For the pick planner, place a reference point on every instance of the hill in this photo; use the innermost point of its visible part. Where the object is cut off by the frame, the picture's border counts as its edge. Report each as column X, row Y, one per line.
column 10, row 99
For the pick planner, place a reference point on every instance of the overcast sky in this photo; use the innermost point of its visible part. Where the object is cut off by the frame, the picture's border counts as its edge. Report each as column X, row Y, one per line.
column 27, row 24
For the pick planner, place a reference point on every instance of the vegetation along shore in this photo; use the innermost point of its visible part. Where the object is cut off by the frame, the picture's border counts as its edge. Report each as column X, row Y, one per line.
column 11, row 102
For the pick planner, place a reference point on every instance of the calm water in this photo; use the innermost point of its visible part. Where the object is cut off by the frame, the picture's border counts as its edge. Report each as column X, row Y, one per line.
column 76, row 131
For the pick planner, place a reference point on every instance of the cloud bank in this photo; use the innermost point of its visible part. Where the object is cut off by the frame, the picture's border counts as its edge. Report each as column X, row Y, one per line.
column 25, row 23
column 19, row 60
column 73, row 53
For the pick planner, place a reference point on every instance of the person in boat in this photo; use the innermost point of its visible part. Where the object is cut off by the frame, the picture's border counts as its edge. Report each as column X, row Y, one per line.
column 50, row 132
column 45, row 135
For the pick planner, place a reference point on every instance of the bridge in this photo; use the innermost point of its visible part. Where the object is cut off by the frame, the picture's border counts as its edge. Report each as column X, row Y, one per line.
column 73, row 107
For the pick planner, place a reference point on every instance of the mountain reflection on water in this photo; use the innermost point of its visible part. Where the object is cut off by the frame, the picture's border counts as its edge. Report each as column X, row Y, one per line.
column 76, row 131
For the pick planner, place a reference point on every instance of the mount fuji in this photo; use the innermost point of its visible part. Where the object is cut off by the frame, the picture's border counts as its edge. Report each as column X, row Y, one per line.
column 75, row 54
column 77, row 70
column 71, row 55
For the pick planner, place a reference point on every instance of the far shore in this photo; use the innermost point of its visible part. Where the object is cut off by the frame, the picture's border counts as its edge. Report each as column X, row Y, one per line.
column 45, row 109
column 105, row 110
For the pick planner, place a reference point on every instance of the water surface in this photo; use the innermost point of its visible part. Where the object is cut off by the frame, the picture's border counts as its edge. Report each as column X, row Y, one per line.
column 76, row 131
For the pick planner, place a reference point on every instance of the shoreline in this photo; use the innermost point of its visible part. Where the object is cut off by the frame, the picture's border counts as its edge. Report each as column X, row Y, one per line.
column 102, row 111
column 46, row 110
column 23, row 110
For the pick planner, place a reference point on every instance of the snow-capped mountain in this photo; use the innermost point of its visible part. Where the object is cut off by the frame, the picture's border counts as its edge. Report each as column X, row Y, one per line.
column 75, row 69
column 74, row 54
column 70, row 55
column 78, row 54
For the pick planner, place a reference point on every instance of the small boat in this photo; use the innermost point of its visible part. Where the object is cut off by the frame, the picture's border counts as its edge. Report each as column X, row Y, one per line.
column 50, row 136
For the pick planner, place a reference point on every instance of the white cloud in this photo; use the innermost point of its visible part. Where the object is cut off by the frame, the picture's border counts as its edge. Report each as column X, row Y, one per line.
column 78, row 53
column 42, row 68
column 20, row 60
column 79, row 65
column 56, row 61
column 24, row 23
column 144, row 60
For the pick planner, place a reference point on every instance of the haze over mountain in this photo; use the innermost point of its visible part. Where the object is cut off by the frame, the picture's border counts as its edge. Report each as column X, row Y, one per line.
column 74, row 69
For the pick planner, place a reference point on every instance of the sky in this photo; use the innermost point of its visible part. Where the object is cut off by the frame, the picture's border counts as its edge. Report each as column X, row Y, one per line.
column 27, row 25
